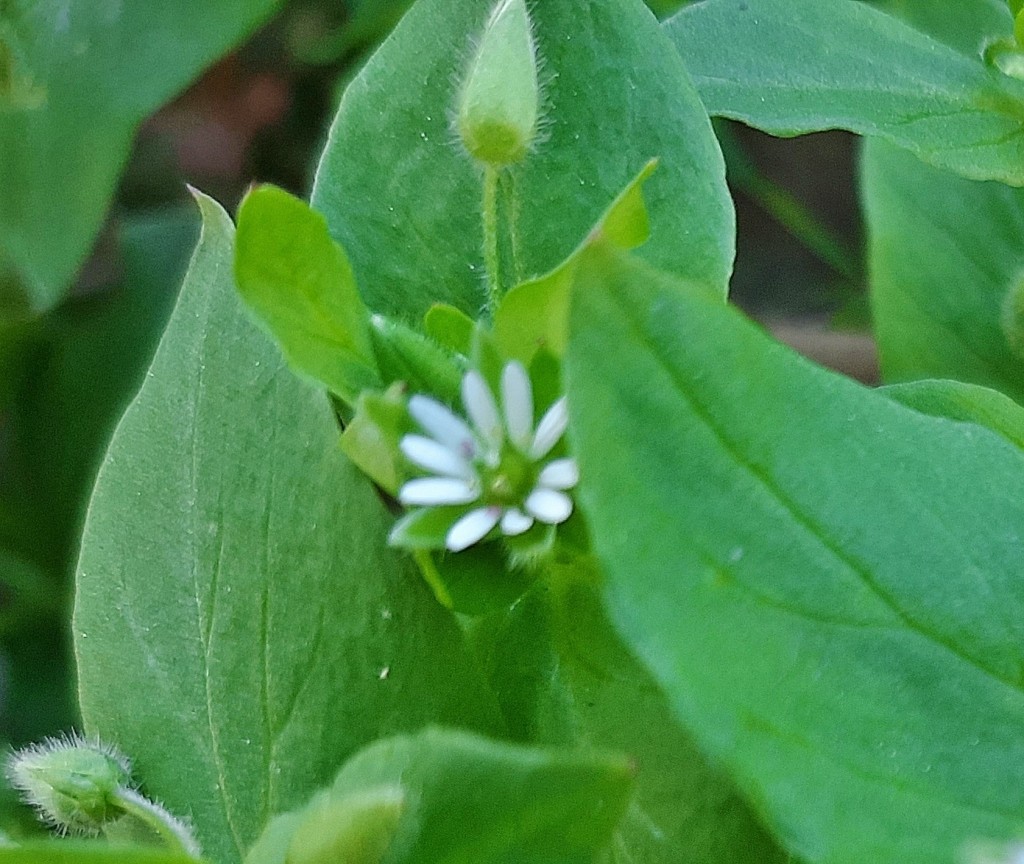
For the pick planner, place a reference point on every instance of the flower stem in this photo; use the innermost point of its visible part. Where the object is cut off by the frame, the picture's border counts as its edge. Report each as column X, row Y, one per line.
column 512, row 219
column 492, row 264
column 175, row 835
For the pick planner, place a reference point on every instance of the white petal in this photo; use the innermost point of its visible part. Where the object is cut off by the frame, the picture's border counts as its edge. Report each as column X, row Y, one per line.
column 428, row 454
column 472, row 528
column 434, row 491
column 559, row 474
column 443, row 426
column 550, row 429
column 517, row 397
column 548, row 505
column 480, row 406
column 515, row 521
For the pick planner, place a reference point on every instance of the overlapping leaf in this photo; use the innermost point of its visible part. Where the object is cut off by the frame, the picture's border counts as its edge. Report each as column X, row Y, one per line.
column 240, row 625
column 944, row 253
column 827, row 584
column 795, row 66
column 404, row 201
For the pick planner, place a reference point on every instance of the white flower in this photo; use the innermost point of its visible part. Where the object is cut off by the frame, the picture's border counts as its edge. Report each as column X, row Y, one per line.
column 496, row 460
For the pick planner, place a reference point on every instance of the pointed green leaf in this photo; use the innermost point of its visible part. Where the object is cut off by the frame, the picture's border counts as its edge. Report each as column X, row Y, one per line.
column 71, row 99
column 944, row 254
column 534, row 314
column 795, row 66
column 405, row 201
column 299, row 281
column 826, row 583
column 240, row 625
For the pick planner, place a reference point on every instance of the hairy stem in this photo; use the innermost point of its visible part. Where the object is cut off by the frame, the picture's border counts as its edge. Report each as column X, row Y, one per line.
column 492, row 263
column 175, row 835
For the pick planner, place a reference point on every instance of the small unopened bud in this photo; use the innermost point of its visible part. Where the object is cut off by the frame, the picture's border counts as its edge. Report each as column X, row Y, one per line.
column 1013, row 318
column 71, row 782
column 358, row 827
column 499, row 104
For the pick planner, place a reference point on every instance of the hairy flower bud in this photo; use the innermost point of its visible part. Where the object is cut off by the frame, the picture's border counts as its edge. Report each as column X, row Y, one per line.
column 499, row 103
column 72, row 782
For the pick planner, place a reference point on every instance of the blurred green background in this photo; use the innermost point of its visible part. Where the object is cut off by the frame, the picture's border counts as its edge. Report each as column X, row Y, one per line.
column 259, row 111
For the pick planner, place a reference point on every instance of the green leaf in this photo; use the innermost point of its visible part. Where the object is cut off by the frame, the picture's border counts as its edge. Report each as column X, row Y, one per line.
column 67, row 125
column 534, row 314
column 966, row 402
column 966, row 25
column 79, row 852
column 943, row 253
column 795, row 66
column 564, row 678
column 299, row 281
column 825, row 583
column 405, row 202
column 240, row 625
column 468, row 799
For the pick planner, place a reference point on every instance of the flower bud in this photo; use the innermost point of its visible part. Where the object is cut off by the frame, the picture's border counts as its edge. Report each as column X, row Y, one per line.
column 73, row 783
column 1013, row 318
column 357, row 827
column 499, row 104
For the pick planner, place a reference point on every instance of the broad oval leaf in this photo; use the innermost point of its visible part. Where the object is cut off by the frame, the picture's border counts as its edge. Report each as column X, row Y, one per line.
column 75, row 98
column 404, row 201
column 795, row 66
column 827, row 584
column 944, row 253
column 240, row 625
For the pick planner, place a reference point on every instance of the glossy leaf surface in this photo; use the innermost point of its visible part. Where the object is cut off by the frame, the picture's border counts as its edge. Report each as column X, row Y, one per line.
column 795, row 66
column 404, row 201
column 235, row 588
column 836, row 620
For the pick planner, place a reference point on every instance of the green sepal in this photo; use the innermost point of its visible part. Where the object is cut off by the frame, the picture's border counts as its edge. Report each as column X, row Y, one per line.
column 426, row 527
column 450, row 327
column 371, row 439
column 300, row 284
column 404, row 354
column 475, row 581
column 534, row 314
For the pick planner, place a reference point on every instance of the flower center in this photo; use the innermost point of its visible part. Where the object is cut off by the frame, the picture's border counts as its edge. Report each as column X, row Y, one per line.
column 508, row 483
